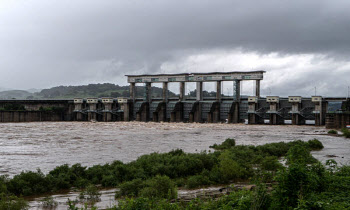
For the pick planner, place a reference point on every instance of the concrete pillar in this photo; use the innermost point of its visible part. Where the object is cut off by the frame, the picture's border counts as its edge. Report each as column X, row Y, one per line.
column 107, row 112
column 318, row 111
column 132, row 91
column 218, row 90
column 214, row 115
column 198, row 112
column 148, row 92
column 257, row 88
column 297, row 118
column 199, row 91
column 144, row 112
column 160, row 114
column 127, row 111
column 237, row 90
column 274, row 107
column 182, row 91
column 165, row 92
column 177, row 113
column 125, row 105
column 78, row 106
column 253, row 104
column 235, row 114
column 92, row 102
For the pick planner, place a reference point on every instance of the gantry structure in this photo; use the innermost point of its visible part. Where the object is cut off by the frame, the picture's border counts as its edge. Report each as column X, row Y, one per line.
column 236, row 108
column 218, row 77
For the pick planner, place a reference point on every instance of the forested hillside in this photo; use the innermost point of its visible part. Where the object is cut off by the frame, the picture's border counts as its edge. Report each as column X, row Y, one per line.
column 17, row 94
column 83, row 91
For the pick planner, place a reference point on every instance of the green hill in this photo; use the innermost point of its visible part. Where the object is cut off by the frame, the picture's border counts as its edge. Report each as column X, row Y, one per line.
column 15, row 94
column 85, row 91
column 93, row 90
column 81, row 91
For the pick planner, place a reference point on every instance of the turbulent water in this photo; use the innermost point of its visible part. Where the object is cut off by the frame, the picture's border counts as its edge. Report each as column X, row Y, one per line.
column 45, row 145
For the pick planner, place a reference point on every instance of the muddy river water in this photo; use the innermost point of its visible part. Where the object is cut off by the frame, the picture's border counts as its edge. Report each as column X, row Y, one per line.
column 45, row 145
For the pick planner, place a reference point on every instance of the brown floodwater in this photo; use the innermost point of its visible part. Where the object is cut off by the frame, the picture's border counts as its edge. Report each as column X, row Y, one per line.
column 45, row 145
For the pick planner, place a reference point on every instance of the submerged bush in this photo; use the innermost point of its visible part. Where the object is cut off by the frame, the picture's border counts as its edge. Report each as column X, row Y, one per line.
column 332, row 132
column 90, row 194
column 13, row 203
column 346, row 132
column 48, row 202
column 274, row 149
column 315, row 144
column 227, row 144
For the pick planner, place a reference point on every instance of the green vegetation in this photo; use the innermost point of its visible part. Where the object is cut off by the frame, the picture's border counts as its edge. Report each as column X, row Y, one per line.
column 151, row 181
column 90, row 194
column 299, row 186
column 48, row 202
column 14, row 94
column 82, row 91
column 332, row 132
column 227, row 144
column 236, row 200
column 91, row 90
column 315, row 144
column 346, row 132
column 157, row 187
column 12, row 202
column 12, row 107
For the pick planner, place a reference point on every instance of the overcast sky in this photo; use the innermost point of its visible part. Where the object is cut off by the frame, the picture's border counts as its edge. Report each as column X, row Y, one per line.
column 301, row 44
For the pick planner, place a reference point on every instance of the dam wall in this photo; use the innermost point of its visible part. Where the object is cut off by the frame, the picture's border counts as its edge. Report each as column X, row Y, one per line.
column 272, row 110
column 36, row 110
column 199, row 106
column 31, row 116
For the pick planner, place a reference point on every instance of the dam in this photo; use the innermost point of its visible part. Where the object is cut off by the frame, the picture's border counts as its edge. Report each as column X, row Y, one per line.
column 199, row 107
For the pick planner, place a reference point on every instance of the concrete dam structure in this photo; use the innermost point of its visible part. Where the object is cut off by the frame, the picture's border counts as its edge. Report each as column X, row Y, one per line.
column 330, row 111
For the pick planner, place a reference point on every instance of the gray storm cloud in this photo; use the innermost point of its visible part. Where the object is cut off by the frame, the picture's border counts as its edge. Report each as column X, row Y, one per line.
column 48, row 43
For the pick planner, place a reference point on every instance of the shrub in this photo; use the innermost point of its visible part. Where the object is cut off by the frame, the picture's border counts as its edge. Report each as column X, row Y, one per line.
column 229, row 168
column 274, row 149
column 145, row 204
column 346, row 132
column 299, row 154
column 130, row 188
column 3, row 184
column 28, row 183
column 227, row 144
column 159, row 187
column 271, row 163
column 315, row 144
column 90, row 194
column 332, row 132
column 198, row 181
column 13, row 203
column 296, row 184
column 48, row 202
